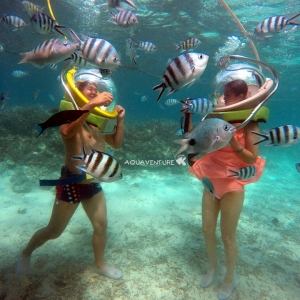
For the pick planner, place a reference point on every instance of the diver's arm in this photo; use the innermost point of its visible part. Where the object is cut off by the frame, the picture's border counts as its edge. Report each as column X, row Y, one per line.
column 70, row 129
column 115, row 140
column 250, row 152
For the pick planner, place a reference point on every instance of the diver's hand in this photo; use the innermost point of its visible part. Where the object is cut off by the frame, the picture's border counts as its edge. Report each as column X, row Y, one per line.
column 105, row 98
column 121, row 112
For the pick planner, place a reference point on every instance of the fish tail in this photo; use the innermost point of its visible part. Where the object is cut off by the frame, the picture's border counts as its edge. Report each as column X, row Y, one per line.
column 160, row 87
column 58, row 27
column 185, row 107
column 39, row 128
column 234, row 173
column 184, row 145
column 264, row 137
column 75, row 37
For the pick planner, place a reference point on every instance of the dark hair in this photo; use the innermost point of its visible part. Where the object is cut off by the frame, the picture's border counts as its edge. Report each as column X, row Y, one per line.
column 82, row 84
column 237, row 86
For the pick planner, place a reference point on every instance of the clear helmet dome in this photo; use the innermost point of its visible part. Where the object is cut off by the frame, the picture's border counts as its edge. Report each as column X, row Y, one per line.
column 104, row 84
column 250, row 74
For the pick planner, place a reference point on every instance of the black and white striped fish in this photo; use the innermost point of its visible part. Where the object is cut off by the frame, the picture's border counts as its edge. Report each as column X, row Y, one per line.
column 13, row 20
column 183, row 70
column 280, row 136
column 98, row 52
column 44, row 24
column 124, row 18
column 147, row 46
column 117, row 3
column 77, row 60
column 49, row 52
column 188, row 45
column 223, row 62
column 275, row 24
column 245, row 173
column 102, row 166
column 31, row 8
column 197, row 106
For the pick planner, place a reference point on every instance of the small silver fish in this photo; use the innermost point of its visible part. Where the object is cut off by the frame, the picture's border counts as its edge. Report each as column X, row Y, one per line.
column 124, row 18
column 183, row 70
column 35, row 94
column 280, row 136
column 207, row 184
column 102, row 166
column 44, row 24
column 170, row 102
column 244, row 173
column 275, row 24
column 98, row 52
column 52, row 98
column 14, row 21
column 189, row 44
column 147, row 46
column 198, row 106
column 117, row 3
column 19, row 73
column 208, row 136
column 49, row 52
column 130, row 49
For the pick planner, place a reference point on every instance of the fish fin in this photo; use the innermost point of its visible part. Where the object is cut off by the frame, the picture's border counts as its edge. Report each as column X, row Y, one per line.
column 292, row 18
column 178, row 46
column 58, row 27
column 191, row 83
column 39, row 128
column 264, row 137
column 294, row 23
column 81, row 167
column 75, row 37
column 234, row 173
column 160, row 87
column 184, row 145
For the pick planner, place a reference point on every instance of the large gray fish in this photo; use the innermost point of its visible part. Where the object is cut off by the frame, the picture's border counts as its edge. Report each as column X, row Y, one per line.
column 49, row 52
column 208, row 136
column 124, row 18
column 102, row 166
column 130, row 50
column 44, row 24
column 244, row 173
column 14, row 21
column 117, row 3
column 98, row 52
column 280, row 136
column 275, row 24
column 182, row 70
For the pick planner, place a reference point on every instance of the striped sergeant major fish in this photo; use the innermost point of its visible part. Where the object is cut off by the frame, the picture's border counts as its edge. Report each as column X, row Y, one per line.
column 147, row 46
column 19, row 73
column 44, row 24
column 117, row 3
column 98, row 52
column 102, row 166
column 275, row 24
column 182, row 70
column 197, row 106
column 124, row 18
column 170, row 102
column 188, row 45
column 280, row 136
column 31, row 8
column 49, row 52
column 14, row 21
column 245, row 173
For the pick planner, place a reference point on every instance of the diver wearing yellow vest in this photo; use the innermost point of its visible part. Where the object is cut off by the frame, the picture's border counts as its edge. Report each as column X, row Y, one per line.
column 90, row 194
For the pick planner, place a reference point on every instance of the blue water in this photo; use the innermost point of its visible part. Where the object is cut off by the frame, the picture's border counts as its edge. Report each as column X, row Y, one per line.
column 276, row 195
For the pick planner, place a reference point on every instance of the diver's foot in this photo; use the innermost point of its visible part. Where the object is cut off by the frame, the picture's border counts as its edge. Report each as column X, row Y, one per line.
column 226, row 289
column 110, row 272
column 23, row 265
column 209, row 278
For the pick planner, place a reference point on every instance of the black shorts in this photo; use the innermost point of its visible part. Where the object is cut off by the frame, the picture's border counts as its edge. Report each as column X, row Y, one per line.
column 75, row 192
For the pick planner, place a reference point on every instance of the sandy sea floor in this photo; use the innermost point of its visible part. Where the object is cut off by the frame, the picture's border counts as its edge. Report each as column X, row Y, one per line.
column 155, row 238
